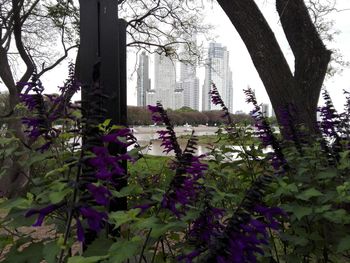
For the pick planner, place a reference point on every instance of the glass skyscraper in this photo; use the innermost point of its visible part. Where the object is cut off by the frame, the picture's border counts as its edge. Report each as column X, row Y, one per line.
column 217, row 71
column 143, row 80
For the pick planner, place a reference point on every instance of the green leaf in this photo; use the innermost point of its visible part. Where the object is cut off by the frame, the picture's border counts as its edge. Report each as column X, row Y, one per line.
column 338, row 216
column 58, row 171
column 124, row 249
column 161, row 230
column 121, row 217
column 344, row 244
column 293, row 258
column 56, row 197
column 309, row 193
column 106, row 122
column 5, row 240
column 31, row 254
column 295, row 240
column 19, row 203
column 297, row 210
column 99, row 247
column 50, row 251
column 80, row 259
column 15, row 218
column 128, row 190
column 328, row 174
column 35, row 158
column 150, row 222
column 322, row 209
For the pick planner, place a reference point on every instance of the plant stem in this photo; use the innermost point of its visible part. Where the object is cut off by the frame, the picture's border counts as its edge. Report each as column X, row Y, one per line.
column 145, row 244
column 155, row 251
column 274, row 245
column 70, row 215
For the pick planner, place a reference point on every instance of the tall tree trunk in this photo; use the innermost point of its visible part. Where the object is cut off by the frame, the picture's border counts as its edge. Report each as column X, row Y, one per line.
column 300, row 90
column 14, row 181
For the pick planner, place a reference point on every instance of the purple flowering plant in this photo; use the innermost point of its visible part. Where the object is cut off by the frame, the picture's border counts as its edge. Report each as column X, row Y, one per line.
column 253, row 197
column 73, row 187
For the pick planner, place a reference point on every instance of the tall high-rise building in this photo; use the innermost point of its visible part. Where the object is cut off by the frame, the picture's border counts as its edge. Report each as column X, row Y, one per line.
column 265, row 109
column 190, row 85
column 151, row 97
column 217, row 71
column 143, row 80
column 165, row 80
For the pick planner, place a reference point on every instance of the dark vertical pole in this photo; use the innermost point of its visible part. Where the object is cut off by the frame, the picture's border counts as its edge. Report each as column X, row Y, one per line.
column 103, row 50
column 122, row 68
column 88, row 50
column 109, row 52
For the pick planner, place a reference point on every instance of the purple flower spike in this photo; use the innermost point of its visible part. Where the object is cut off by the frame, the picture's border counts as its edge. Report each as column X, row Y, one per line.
column 329, row 117
column 95, row 219
column 42, row 213
column 245, row 238
column 265, row 132
column 100, row 193
column 80, row 231
column 189, row 257
column 217, row 100
column 144, row 207
column 207, row 226
column 153, row 109
column 122, row 133
column 107, row 165
column 167, row 136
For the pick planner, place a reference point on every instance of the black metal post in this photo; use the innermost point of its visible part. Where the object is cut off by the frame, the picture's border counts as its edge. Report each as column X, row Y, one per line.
column 102, row 59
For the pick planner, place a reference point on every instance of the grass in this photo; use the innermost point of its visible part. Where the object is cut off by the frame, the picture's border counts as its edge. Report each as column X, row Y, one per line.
column 149, row 163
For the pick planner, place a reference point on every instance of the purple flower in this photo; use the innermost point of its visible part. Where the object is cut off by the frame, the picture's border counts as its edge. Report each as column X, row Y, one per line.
column 94, row 218
column 72, row 85
column 153, row 109
column 33, row 124
column 264, row 131
column 245, row 237
column 30, row 101
column 217, row 100
column 46, row 112
column 80, row 231
column 329, row 116
column 184, row 187
column 100, row 193
column 196, row 168
column 122, row 133
column 189, row 257
column 42, row 213
column 207, row 226
column 144, row 207
column 107, row 166
column 182, row 192
column 167, row 136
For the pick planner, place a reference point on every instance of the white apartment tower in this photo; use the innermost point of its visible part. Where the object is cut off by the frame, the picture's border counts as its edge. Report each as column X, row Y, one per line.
column 217, row 71
column 190, row 85
column 265, row 109
column 143, row 80
column 165, row 80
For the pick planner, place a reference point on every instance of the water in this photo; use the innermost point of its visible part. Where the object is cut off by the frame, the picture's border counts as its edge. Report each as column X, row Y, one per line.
column 155, row 148
column 147, row 136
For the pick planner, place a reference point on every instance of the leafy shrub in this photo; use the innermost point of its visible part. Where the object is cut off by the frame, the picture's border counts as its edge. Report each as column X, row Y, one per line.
column 270, row 201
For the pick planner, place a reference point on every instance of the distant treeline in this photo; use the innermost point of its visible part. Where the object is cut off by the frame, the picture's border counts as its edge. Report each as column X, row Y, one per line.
column 142, row 116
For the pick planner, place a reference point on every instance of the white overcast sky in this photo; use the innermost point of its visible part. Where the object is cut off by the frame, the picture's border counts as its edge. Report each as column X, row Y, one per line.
column 244, row 73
